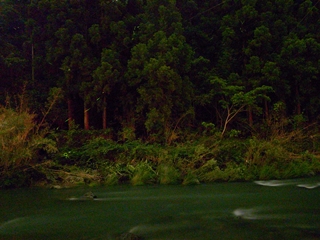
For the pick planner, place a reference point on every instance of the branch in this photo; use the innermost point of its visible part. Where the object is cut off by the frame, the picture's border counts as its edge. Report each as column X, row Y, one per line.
column 56, row 97
column 230, row 116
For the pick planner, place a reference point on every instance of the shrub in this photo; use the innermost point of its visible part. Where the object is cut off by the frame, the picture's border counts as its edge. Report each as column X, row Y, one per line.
column 142, row 174
column 235, row 172
column 13, row 179
column 137, row 150
column 190, row 179
column 263, row 152
column 215, row 175
column 98, row 150
column 269, row 172
column 111, row 179
column 22, row 146
column 168, row 174
column 296, row 168
column 206, row 171
column 230, row 150
column 21, row 142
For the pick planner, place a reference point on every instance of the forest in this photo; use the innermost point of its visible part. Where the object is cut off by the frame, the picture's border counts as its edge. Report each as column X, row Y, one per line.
column 158, row 91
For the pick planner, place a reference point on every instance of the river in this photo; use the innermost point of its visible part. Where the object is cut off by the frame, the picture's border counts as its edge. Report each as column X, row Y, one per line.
column 288, row 209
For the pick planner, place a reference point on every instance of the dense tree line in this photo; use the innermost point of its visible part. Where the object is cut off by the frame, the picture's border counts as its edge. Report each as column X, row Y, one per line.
column 155, row 68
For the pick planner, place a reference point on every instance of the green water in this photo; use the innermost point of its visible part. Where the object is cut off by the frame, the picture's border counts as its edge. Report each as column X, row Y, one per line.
column 272, row 210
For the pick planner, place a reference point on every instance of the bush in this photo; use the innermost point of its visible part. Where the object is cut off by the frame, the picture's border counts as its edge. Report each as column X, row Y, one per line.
column 23, row 145
column 14, row 179
column 211, row 172
column 296, row 168
column 261, row 152
column 98, row 150
column 235, row 172
column 142, row 174
column 21, row 140
column 269, row 172
column 230, row 150
column 168, row 174
column 190, row 179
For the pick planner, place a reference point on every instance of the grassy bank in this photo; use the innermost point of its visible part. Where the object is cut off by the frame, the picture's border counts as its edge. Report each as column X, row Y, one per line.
column 34, row 156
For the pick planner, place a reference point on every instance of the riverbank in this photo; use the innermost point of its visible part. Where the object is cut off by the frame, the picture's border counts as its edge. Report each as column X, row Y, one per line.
column 32, row 155
column 84, row 158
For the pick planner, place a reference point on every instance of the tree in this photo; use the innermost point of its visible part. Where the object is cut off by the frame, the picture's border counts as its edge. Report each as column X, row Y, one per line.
column 13, row 61
column 158, row 69
column 105, row 78
column 234, row 99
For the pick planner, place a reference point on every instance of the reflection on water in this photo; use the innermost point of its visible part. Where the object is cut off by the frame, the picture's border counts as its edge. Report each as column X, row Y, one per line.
column 261, row 210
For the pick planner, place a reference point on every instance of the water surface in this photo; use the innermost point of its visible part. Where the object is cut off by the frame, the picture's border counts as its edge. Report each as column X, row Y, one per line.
column 287, row 209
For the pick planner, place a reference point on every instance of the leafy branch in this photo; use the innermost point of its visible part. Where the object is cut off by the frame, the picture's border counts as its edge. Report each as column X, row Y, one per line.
column 234, row 99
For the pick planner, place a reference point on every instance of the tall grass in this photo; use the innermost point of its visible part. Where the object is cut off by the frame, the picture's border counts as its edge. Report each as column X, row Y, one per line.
column 20, row 142
column 23, row 144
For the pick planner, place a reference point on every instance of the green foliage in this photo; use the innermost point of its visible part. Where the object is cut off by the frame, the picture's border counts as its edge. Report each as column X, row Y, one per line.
column 298, row 121
column 158, row 68
column 190, row 179
column 189, row 79
column 20, row 142
column 261, row 152
column 143, row 173
column 233, row 99
column 150, row 63
column 139, row 151
column 111, row 179
column 231, row 150
column 209, row 129
column 270, row 160
column 22, row 146
column 128, row 134
column 236, row 172
column 291, row 169
column 113, row 173
column 168, row 174
column 98, row 150
column 269, row 171
column 15, row 179
column 211, row 172
column 296, row 168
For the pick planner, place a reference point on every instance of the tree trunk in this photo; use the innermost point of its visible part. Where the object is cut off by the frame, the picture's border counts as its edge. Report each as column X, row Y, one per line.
column 298, row 100
column 266, row 109
column 32, row 65
column 70, row 113
column 104, row 113
column 250, row 116
column 86, row 117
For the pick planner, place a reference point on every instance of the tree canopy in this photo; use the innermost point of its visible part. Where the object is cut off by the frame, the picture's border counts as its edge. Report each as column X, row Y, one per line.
column 158, row 68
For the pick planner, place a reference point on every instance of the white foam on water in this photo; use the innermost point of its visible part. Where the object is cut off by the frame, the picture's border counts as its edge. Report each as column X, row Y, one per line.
column 243, row 213
column 309, row 186
column 257, row 213
column 73, row 199
column 279, row 183
column 273, row 183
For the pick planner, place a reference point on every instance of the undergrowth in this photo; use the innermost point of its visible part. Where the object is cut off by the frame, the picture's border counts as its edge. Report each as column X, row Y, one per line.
column 206, row 159
column 26, row 148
